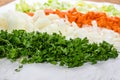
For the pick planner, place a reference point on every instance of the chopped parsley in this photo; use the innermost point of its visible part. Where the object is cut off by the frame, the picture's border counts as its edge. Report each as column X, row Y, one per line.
column 36, row 47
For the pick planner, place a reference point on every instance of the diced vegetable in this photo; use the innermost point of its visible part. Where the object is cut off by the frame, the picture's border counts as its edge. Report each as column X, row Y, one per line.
column 80, row 5
column 36, row 47
column 30, row 13
column 81, row 19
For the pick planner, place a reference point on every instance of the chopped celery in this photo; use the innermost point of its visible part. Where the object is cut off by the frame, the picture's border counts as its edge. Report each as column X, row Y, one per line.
column 81, row 6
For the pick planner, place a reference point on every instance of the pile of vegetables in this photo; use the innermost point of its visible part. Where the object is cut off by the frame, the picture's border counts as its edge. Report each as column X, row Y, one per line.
column 103, row 21
column 82, row 14
column 81, row 19
column 80, row 5
column 36, row 47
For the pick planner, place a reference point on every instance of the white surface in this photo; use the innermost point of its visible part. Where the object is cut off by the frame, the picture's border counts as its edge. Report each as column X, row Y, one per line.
column 108, row 70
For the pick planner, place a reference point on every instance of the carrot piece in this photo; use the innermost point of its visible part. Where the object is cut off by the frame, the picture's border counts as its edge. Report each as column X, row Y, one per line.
column 30, row 13
column 109, row 27
column 48, row 11
column 72, row 19
column 72, row 10
column 79, row 24
column 115, row 28
column 60, row 13
column 118, row 29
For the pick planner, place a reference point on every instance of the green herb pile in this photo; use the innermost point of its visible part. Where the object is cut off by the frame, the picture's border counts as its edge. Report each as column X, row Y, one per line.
column 36, row 47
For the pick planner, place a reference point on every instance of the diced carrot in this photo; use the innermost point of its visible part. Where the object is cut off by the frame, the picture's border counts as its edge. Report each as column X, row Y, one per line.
column 72, row 19
column 81, row 19
column 115, row 28
column 48, row 11
column 30, row 13
column 109, row 27
column 60, row 14
column 118, row 29
column 72, row 10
